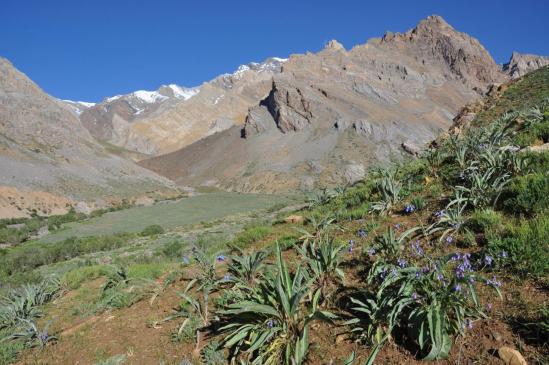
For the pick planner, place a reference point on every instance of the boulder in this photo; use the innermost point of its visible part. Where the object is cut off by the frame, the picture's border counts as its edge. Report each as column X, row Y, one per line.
column 511, row 356
column 294, row 219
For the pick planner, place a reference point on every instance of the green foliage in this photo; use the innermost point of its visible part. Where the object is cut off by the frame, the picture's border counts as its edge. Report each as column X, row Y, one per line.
column 270, row 325
column 9, row 350
column 246, row 271
column 433, row 302
column 74, row 278
column 388, row 188
column 24, row 303
column 323, row 259
column 174, row 249
column 251, row 235
column 487, row 221
column 146, row 271
column 528, row 194
column 212, row 354
column 527, row 245
column 32, row 255
column 151, row 230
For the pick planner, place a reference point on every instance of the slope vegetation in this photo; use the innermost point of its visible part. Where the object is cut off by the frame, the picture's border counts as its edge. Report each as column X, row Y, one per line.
column 442, row 258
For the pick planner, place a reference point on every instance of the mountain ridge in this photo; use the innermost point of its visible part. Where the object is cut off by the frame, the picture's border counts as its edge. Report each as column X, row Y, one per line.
column 331, row 115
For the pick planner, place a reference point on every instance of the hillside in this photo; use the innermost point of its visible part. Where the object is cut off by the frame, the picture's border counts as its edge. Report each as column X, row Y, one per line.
column 442, row 258
column 49, row 161
column 331, row 115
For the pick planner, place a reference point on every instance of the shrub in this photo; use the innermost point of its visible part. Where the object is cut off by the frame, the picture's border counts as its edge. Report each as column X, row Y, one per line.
column 152, row 230
column 145, row 271
column 30, row 256
column 486, row 221
column 251, row 235
column 74, row 278
column 527, row 247
column 173, row 249
column 528, row 194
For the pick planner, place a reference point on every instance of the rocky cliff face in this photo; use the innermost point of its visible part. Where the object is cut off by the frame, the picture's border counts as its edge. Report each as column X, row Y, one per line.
column 520, row 64
column 45, row 149
column 330, row 114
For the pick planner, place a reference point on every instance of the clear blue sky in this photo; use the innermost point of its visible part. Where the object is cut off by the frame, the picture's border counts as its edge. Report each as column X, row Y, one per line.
column 86, row 50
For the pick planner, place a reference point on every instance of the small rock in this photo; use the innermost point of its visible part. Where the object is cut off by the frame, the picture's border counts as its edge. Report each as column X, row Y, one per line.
column 411, row 148
column 340, row 338
column 497, row 336
column 536, row 149
column 511, row 356
column 42, row 232
column 295, row 219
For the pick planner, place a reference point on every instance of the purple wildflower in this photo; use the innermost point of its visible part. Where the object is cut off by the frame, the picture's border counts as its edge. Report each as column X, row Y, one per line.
column 220, row 258
column 227, row 277
column 469, row 324
column 415, row 296
column 401, row 262
column 186, row 260
column 493, row 282
column 489, row 306
column 362, row 233
column 488, row 260
column 503, row 254
column 371, row 252
column 417, row 248
column 440, row 277
column 449, row 239
column 270, row 323
column 439, row 214
column 397, row 226
column 44, row 336
column 410, row 208
column 457, row 287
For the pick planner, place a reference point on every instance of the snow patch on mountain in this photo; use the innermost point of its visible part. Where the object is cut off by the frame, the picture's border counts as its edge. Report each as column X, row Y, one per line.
column 182, row 92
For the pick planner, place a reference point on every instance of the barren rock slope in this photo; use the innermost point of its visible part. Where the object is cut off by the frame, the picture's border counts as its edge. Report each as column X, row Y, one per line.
column 45, row 148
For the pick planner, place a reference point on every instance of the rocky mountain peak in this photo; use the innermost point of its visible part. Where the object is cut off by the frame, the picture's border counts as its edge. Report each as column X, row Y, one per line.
column 520, row 64
column 334, row 45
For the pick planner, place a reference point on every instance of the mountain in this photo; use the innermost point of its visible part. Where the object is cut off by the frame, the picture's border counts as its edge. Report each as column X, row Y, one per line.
column 49, row 161
column 520, row 64
column 162, row 121
column 329, row 116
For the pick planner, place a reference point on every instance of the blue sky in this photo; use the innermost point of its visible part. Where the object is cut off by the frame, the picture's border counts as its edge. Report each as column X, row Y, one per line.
column 86, row 50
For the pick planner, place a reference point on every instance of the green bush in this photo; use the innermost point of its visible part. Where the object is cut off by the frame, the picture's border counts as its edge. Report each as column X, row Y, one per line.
column 536, row 133
column 527, row 247
column 30, row 256
column 486, row 221
column 146, row 271
column 74, row 278
column 152, row 230
column 173, row 249
column 528, row 194
column 251, row 235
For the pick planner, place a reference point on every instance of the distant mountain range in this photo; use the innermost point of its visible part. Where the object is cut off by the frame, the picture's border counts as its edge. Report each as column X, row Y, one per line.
column 301, row 123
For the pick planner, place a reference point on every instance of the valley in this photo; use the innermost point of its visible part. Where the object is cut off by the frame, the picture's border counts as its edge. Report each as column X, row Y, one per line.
column 382, row 204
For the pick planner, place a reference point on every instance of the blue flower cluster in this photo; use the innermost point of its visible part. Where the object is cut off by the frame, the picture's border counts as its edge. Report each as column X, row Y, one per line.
column 410, row 208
